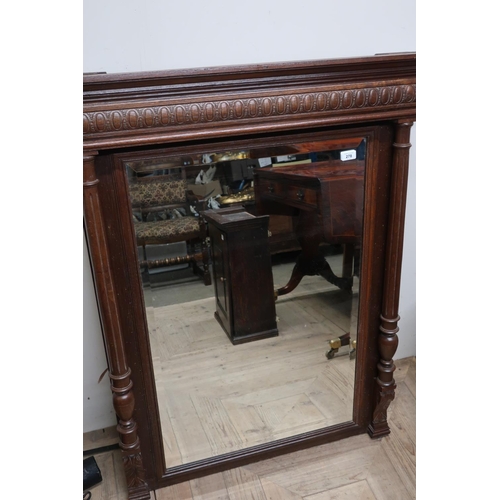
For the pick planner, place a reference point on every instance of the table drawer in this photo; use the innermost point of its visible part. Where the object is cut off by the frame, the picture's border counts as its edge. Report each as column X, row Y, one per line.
column 299, row 194
column 272, row 188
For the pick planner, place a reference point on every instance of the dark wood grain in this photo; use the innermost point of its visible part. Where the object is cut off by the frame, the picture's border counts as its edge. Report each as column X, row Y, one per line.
column 176, row 113
column 119, row 371
column 388, row 339
column 125, row 110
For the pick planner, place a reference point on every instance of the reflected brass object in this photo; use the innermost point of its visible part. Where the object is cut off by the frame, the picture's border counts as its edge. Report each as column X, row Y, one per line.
column 247, row 195
column 228, row 156
column 352, row 352
column 335, row 343
column 338, row 342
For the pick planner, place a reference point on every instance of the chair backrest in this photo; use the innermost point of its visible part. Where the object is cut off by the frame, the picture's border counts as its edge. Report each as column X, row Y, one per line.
column 157, row 192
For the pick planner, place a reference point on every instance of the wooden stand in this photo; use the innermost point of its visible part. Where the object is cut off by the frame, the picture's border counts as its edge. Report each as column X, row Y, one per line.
column 243, row 281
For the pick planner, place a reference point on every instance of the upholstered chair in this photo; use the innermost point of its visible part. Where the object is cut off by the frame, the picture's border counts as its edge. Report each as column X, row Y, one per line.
column 162, row 208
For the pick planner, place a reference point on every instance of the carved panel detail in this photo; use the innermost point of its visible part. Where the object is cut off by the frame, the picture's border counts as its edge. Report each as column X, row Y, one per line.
column 386, row 396
column 240, row 109
column 134, row 470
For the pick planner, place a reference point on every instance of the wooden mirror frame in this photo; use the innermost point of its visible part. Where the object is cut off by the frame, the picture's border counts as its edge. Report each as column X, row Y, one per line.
column 124, row 113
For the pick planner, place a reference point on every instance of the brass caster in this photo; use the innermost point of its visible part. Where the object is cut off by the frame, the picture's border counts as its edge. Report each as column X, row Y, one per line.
column 337, row 343
column 331, row 353
column 352, row 352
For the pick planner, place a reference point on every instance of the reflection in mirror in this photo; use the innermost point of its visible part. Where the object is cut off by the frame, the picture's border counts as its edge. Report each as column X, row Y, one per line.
column 250, row 269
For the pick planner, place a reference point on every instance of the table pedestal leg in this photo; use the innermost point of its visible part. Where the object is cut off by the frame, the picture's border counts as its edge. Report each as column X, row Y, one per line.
column 311, row 262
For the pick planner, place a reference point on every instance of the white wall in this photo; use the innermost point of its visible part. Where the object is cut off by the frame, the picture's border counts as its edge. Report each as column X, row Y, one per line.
column 407, row 299
column 98, row 411
column 126, row 35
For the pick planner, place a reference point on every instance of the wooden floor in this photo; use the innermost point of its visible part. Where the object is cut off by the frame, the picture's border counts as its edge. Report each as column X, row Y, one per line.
column 252, row 393
column 357, row 468
column 255, row 392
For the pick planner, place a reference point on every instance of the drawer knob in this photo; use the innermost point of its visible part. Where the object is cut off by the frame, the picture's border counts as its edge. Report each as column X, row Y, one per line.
column 270, row 188
column 300, row 194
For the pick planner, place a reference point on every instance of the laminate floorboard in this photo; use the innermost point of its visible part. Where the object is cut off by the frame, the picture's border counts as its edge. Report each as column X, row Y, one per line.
column 255, row 392
column 357, row 468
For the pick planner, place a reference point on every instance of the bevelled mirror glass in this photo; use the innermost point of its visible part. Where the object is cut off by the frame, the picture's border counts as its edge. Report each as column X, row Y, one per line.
column 249, row 262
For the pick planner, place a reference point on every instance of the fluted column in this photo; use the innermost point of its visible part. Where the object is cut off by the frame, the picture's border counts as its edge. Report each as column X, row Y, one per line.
column 119, row 372
column 389, row 318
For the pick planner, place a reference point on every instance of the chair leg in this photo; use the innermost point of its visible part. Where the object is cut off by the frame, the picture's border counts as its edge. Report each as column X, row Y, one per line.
column 207, row 279
column 205, row 251
column 191, row 250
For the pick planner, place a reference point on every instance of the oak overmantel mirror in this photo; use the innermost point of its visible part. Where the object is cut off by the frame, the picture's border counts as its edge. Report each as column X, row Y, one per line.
column 245, row 227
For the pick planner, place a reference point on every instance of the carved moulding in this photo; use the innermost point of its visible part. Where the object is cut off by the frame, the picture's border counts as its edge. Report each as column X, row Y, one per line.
column 196, row 112
column 155, row 107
